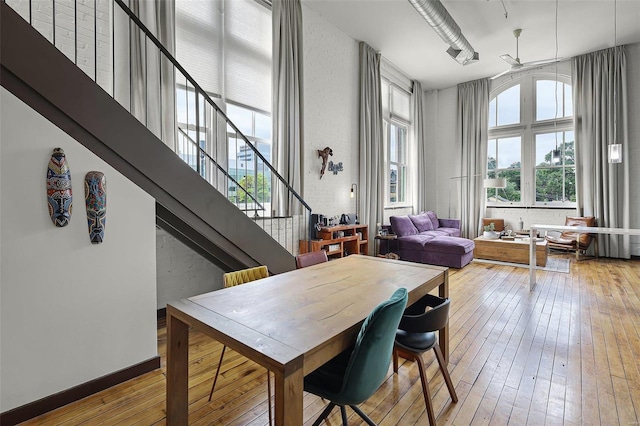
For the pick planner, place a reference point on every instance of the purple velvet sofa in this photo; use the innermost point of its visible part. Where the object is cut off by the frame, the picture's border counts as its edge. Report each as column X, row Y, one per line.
column 424, row 238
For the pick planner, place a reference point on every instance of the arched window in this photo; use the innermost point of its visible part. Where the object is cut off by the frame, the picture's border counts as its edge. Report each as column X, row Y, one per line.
column 531, row 143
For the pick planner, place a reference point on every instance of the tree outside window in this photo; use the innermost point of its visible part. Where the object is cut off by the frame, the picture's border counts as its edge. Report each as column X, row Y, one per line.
column 259, row 188
column 555, row 180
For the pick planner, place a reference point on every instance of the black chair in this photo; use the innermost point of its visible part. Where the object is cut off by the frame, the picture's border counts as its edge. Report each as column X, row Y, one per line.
column 354, row 375
column 417, row 334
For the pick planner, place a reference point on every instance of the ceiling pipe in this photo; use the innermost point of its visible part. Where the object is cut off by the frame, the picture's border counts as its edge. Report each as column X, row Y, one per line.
column 434, row 12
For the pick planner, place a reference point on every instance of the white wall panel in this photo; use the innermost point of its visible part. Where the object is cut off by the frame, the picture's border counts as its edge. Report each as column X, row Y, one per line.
column 71, row 311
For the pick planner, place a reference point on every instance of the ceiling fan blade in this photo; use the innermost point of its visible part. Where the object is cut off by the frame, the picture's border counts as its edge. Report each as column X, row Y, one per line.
column 541, row 62
column 509, row 59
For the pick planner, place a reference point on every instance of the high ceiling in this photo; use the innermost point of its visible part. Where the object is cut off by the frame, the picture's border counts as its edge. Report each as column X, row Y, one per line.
column 401, row 35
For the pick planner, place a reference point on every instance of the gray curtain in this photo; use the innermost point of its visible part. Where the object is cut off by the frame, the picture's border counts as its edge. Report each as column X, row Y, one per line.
column 371, row 147
column 422, row 158
column 287, row 104
column 473, row 124
column 151, row 81
column 599, row 82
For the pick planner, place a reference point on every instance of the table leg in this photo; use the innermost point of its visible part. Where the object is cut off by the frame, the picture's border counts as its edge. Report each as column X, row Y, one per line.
column 288, row 392
column 443, row 334
column 532, row 258
column 177, row 371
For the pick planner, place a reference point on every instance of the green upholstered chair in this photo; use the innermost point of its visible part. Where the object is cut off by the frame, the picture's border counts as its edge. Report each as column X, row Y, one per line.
column 354, row 375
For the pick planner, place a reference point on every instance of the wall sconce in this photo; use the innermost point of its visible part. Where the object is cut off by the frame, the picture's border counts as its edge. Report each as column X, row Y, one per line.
column 354, row 194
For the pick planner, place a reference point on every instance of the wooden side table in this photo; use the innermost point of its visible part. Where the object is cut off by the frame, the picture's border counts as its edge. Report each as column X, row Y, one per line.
column 388, row 239
column 339, row 241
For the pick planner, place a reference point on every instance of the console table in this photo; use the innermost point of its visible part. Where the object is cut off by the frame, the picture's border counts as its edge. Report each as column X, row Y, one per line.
column 339, row 241
column 577, row 229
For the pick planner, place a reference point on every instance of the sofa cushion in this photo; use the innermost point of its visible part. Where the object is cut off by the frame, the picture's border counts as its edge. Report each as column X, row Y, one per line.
column 452, row 232
column 414, row 242
column 422, row 222
column 450, row 245
column 402, row 226
column 434, row 219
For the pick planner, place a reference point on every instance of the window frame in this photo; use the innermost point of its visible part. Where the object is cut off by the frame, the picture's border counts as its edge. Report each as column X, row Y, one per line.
column 527, row 129
column 390, row 119
column 400, row 126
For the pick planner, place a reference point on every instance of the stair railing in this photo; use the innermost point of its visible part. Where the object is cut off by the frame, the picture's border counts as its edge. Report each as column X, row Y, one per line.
column 147, row 80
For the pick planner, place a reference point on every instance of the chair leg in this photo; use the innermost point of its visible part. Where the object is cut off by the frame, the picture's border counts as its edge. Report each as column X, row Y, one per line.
column 324, row 414
column 269, row 395
column 215, row 379
column 343, row 413
column 395, row 360
column 362, row 415
column 425, row 390
column 445, row 373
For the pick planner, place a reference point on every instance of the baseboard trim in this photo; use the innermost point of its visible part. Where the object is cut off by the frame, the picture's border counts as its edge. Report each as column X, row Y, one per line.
column 57, row 400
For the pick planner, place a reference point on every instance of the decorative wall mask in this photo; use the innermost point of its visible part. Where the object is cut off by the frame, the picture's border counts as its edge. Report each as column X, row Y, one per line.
column 324, row 154
column 95, row 194
column 59, row 196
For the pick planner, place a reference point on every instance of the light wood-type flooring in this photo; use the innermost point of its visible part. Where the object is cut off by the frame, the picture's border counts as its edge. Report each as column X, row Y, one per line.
column 566, row 353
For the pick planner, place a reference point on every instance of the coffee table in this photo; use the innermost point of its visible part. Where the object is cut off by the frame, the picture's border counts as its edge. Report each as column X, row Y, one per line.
column 512, row 251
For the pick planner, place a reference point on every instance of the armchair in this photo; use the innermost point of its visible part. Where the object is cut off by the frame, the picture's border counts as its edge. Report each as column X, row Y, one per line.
column 569, row 240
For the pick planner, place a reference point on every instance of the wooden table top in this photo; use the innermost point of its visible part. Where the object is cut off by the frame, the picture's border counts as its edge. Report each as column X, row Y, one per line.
column 523, row 240
column 301, row 312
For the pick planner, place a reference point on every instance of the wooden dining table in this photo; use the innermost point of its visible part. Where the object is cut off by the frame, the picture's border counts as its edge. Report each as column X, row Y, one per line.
column 292, row 323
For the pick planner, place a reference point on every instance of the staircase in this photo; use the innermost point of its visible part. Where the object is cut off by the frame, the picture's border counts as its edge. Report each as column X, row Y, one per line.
column 130, row 122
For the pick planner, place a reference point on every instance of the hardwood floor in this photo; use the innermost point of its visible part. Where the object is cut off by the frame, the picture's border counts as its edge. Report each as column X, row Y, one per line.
column 566, row 353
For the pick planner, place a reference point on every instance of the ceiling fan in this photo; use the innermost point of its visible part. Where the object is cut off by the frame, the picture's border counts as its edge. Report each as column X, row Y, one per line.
column 516, row 64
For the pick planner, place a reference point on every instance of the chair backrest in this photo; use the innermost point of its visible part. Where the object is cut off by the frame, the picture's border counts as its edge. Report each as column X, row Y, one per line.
column 234, row 278
column 371, row 355
column 498, row 224
column 311, row 258
column 417, row 319
column 584, row 240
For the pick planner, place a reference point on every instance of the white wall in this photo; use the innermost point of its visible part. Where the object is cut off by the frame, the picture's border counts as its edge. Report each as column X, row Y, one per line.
column 330, row 113
column 87, row 18
column 181, row 272
column 71, row 311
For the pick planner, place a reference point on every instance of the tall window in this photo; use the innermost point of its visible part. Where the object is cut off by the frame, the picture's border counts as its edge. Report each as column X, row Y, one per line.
column 531, row 144
column 397, row 121
column 225, row 45
column 397, row 163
